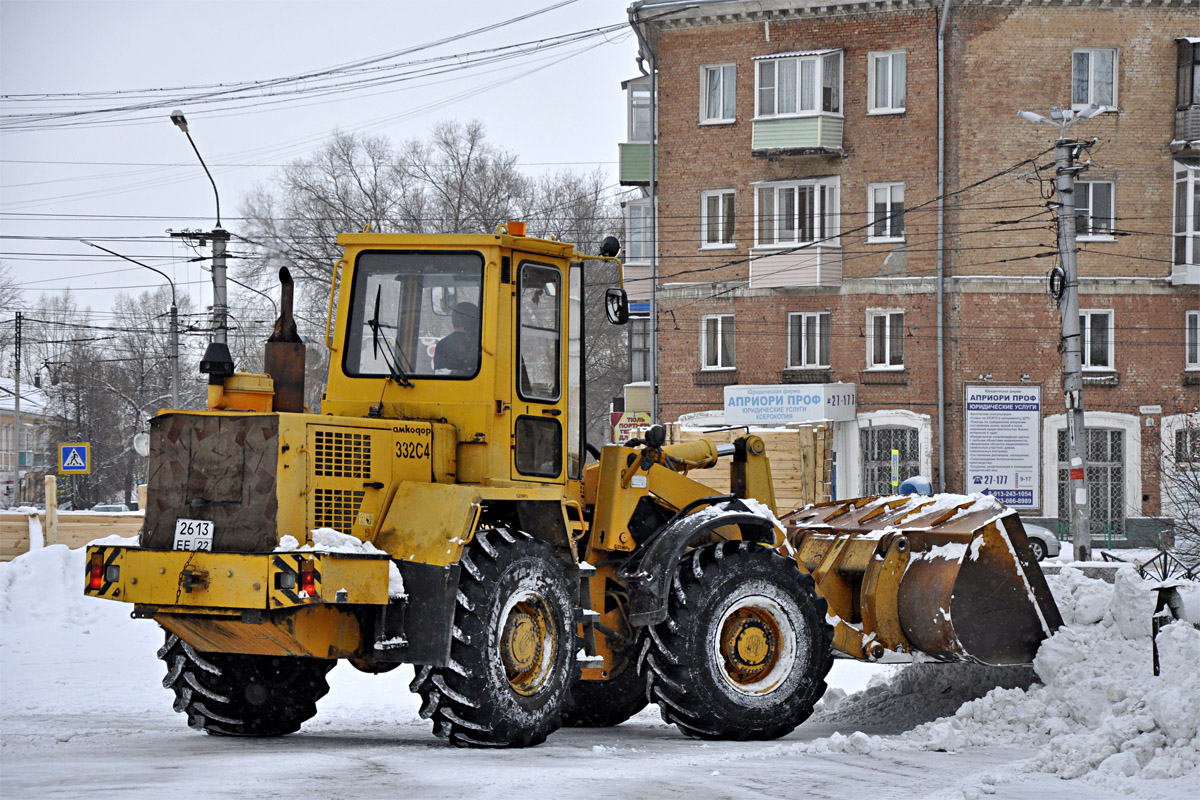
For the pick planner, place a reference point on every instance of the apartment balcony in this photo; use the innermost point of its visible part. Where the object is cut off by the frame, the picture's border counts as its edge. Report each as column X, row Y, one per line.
column 634, row 163
column 819, row 134
column 637, row 281
column 1187, row 131
column 810, row 266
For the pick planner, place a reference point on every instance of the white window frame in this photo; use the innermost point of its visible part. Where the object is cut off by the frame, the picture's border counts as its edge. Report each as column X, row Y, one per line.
column 721, row 320
column 721, row 220
column 1085, row 198
column 638, row 250
column 1085, row 340
column 798, row 324
column 1191, row 340
column 823, row 219
column 891, row 58
column 1091, row 77
column 886, row 364
column 638, row 95
column 797, row 64
column 1129, row 423
column 889, row 219
column 727, row 76
column 1185, row 227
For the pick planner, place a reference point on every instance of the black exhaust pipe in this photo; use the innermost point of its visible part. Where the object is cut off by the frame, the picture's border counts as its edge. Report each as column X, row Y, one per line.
column 284, row 360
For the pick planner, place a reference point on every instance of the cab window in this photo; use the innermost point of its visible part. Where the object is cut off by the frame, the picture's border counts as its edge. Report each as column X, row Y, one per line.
column 538, row 336
column 416, row 312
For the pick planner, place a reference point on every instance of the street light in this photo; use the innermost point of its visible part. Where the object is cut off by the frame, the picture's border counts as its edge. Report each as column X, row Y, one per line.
column 216, row 362
column 173, row 339
column 181, row 123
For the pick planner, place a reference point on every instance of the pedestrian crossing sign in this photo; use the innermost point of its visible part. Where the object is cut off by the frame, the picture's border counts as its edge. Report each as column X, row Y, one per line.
column 75, row 458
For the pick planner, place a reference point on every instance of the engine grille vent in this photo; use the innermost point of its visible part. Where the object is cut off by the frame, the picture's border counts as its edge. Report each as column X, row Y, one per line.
column 342, row 455
column 336, row 508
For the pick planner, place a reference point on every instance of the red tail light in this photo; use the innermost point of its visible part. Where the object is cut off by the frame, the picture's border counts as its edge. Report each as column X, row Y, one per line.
column 96, row 573
column 308, row 579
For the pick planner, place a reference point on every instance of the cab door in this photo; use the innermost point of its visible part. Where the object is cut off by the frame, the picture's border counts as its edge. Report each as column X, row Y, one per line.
column 540, row 393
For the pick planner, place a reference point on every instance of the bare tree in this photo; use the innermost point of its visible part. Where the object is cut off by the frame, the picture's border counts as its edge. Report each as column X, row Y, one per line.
column 1180, row 470
column 460, row 182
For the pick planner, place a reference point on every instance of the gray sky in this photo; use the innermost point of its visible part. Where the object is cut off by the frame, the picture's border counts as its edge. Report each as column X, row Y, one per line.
column 103, row 177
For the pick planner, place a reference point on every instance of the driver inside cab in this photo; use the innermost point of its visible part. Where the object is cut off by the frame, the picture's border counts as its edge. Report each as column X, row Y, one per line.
column 458, row 352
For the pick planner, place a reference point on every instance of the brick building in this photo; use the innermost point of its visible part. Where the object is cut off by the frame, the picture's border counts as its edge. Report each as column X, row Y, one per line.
column 799, row 237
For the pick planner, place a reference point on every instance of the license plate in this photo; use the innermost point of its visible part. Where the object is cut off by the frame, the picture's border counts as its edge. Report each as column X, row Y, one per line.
column 193, row 534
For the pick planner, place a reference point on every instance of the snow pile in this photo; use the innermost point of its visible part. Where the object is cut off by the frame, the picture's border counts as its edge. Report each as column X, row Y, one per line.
column 327, row 540
column 44, row 588
column 1098, row 711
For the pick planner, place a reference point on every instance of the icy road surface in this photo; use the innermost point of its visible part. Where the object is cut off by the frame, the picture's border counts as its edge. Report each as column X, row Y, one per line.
column 83, row 714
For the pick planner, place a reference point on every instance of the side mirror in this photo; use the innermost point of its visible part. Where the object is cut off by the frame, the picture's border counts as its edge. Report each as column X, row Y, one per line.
column 616, row 305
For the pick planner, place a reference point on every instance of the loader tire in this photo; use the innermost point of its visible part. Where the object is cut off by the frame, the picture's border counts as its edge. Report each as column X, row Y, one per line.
column 602, row 704
column 228, row 694
column 512, row 655
column 745, row 648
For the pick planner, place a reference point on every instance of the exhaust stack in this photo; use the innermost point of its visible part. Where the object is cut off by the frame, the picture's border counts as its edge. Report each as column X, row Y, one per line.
column 284, row 360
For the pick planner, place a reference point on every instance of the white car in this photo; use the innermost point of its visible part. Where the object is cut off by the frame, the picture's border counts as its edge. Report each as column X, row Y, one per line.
column 1042, row 542
column 110, row 507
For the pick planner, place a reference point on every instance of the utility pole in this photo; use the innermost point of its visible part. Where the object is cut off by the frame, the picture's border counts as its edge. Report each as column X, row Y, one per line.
column 1065, row 152
column 17, row 412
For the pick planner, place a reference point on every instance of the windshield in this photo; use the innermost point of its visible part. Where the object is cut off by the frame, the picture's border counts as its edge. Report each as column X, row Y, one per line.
column 415, row 315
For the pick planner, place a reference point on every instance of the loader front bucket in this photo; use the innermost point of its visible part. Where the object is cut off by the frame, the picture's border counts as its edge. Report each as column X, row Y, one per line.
column 949, row 576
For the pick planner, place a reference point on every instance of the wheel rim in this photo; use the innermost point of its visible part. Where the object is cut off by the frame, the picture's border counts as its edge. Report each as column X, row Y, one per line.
column 1039, row 550
column 527, row 642
column 755, row 645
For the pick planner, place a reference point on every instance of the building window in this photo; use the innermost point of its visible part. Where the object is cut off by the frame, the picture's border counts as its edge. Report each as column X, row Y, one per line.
column 885, row 339
column 637, row 242
column 641, row 124
column 1187, row 213
column 1193, row 339
column 1094, row 77
column 716, row 342
column 801, row 84
column 888, row 453
column 808, row 340
column 1187, row 448
column 885, row 82
column 716, row 218
column 1096, row 339
column 718, row 93
column 885, row 214
column 798, row 212
column 1189, row 74
column 639, row 349
column 1094, row 209
column 1104, row 452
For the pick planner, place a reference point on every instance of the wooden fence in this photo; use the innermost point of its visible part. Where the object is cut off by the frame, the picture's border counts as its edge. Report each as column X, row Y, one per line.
column 72, row 528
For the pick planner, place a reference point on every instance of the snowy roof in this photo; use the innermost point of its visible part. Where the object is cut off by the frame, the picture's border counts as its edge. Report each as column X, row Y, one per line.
column 33, row 400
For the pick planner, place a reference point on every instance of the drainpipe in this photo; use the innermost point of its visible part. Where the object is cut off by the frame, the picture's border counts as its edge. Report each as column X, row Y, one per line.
column 648, row 54
column 941, row 238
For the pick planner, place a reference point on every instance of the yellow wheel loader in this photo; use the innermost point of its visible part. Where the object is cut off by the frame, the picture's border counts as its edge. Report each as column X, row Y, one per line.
column 441, row 511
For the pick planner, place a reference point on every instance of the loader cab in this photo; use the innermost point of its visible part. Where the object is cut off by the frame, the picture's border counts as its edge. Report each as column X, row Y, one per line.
column 482, row 332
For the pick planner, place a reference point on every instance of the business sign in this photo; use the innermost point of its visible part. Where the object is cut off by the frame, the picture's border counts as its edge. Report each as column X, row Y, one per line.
column 625, row 424
column 75, row 458
column 784, row 403
column 1003, row 432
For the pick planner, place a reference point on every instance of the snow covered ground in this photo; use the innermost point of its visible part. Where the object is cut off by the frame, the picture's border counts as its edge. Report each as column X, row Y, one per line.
column 83, row 713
